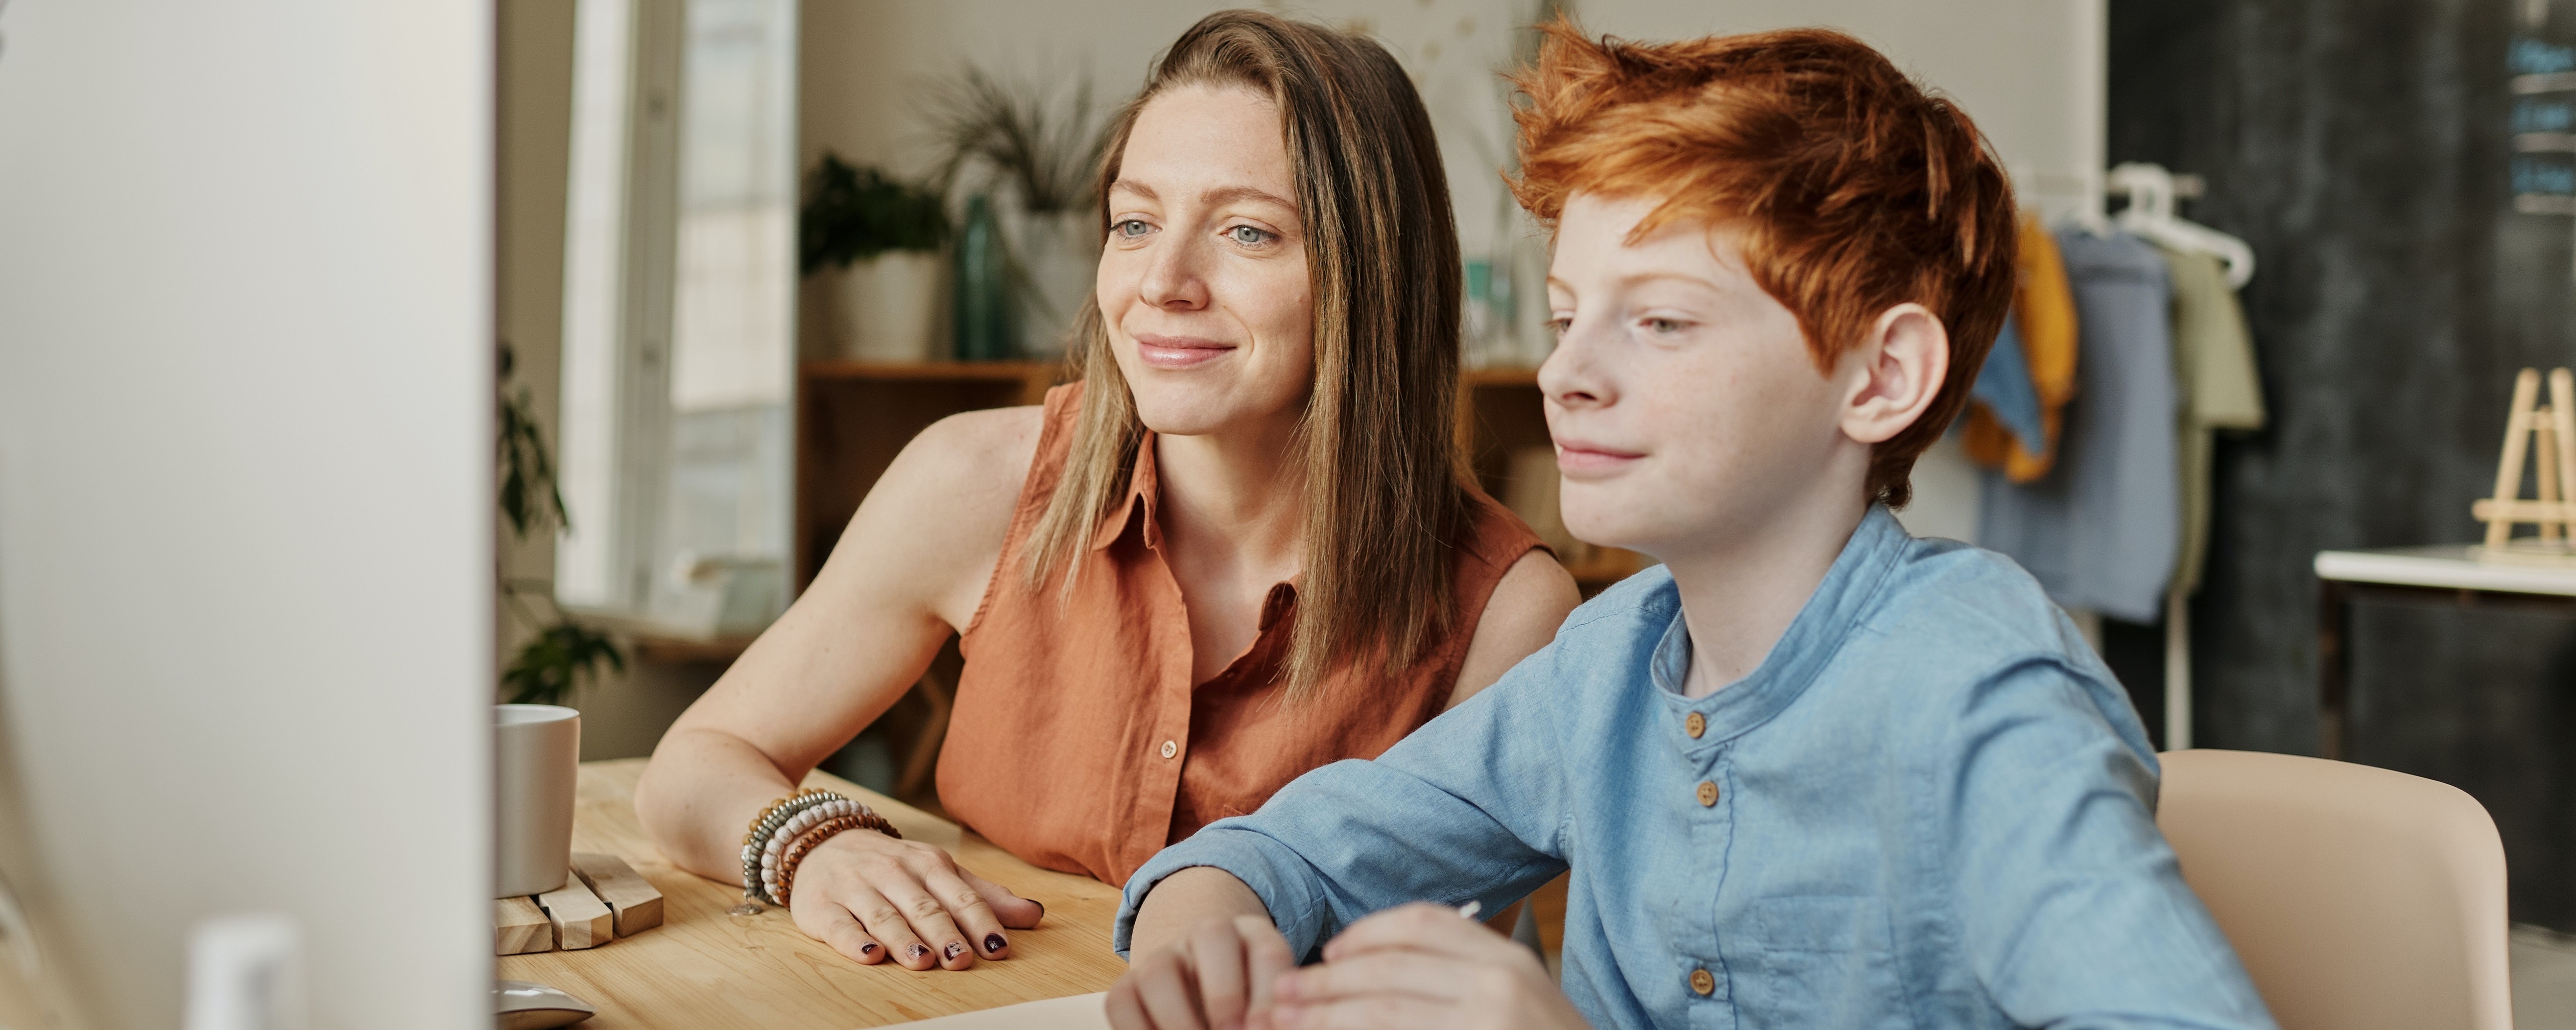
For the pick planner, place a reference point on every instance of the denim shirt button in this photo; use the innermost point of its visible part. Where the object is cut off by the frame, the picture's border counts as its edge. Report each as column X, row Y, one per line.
column 1703, row 984
column 1707, row 795
column 1695, row 725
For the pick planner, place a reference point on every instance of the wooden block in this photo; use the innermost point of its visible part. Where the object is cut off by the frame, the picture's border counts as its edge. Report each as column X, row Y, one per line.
column 580, row 919
column 520, row 927
column 637, row 905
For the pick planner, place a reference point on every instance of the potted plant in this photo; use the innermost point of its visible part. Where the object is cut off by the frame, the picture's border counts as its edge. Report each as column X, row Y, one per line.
column 563, row 652
column 1040, row 149
column 882, row 235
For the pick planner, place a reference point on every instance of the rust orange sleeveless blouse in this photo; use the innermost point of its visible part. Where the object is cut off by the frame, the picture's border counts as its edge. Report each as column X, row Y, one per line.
column 1078, row 741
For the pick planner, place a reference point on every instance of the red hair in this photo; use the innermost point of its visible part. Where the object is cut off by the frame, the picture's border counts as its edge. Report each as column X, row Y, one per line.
column 1856, row 190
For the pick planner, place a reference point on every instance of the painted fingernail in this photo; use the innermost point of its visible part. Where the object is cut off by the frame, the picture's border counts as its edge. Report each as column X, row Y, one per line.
column 993, row 944
column 917, row 951
column 868, row 948
column 955, row 948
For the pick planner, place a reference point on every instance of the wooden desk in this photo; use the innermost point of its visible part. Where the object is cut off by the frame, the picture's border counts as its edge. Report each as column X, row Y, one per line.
column 703, row 968
column 2447, row 575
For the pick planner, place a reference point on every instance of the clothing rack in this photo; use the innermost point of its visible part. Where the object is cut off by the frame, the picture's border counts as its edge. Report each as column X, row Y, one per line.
column 2151, row 191
column 2081, row 198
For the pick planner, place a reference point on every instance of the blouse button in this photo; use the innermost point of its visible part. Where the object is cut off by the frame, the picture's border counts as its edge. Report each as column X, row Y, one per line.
column 1707, row 796
column 1702, row 983
column 1171, row 748
column 1695, row 725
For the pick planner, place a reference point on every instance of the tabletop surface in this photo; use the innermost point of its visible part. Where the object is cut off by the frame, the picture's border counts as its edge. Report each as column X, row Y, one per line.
column 704, row 968
column 2446, row 566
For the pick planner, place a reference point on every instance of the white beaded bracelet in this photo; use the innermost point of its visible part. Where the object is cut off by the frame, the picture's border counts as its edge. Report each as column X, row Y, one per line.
column 804, row 822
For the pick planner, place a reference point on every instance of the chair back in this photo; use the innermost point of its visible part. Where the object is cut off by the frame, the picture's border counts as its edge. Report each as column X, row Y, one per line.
column 2358, row 898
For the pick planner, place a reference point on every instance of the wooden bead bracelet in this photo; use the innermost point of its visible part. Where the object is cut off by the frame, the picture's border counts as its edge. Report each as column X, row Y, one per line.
column 815, row 837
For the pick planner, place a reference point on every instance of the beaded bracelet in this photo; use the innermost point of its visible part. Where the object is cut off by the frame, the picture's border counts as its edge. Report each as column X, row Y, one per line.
column 814, row 838
column 763, row 826
column 797, row 826
column 773, row 859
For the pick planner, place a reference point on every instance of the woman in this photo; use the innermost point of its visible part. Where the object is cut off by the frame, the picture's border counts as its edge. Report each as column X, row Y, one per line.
column 1241, row 547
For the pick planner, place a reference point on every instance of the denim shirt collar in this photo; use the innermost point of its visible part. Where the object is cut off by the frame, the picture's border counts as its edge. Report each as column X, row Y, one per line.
column 1802, row 651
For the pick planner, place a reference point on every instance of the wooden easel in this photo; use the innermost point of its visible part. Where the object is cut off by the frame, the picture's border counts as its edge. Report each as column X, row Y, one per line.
column 2549, row 434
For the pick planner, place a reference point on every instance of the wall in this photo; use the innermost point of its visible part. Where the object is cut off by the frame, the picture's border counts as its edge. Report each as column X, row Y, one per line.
column 2361, row 148
column 534, row 100
column 245, row 489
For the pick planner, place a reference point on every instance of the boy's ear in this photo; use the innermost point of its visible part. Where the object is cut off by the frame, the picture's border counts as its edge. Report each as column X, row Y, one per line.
column 1895, row 373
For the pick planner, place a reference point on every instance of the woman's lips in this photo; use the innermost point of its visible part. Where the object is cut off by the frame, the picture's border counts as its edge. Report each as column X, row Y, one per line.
column 1179, row 351
column 1582, row 459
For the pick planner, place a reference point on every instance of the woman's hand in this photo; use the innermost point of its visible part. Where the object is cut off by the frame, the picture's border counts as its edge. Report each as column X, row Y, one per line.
column 872, row 897
column 1213, row 978
column 1421, row 965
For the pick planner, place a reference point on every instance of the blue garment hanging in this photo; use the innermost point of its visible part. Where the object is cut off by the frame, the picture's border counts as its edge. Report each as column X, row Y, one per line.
column 2102, row 530
column 2003, row 386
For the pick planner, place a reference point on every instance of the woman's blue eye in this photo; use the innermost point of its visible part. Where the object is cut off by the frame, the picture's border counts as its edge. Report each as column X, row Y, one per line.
column 1248, row 236
column 1129, row 228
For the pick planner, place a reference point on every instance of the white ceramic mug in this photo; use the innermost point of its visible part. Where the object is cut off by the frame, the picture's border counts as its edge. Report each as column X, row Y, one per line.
column 536, row 756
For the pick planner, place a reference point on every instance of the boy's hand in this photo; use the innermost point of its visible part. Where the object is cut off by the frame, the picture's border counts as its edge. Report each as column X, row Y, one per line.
column 1421, row 965
column 1213, row 978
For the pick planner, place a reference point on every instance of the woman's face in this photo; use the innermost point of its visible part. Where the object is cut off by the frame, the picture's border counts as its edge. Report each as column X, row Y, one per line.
column 1203, row 281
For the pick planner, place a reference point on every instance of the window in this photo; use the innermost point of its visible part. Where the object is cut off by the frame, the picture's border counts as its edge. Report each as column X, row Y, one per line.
column 679, row 317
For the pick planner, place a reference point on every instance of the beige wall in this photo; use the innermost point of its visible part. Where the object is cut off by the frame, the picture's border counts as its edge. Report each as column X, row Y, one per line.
column 535, row 100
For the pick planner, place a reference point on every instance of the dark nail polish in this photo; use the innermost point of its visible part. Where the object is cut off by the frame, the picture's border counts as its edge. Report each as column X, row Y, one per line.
column 993, row 944
column 868, row 948
column 955, row 948
column 917, row 951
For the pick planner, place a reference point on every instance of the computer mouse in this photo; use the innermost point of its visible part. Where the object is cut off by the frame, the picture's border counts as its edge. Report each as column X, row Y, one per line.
column 520, row 1005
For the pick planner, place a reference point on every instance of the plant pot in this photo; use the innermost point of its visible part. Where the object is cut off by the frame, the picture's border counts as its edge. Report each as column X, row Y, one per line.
column 1060, row 254
column 888, row 307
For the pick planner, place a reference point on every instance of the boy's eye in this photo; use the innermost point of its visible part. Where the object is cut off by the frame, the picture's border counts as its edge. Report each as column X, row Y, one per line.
column 1248, row 236
column 1129, row 228
column 1560, row 325
column 1663, row 325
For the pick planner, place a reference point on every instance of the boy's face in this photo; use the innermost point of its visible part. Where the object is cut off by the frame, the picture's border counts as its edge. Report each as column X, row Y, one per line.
column 1684, row 404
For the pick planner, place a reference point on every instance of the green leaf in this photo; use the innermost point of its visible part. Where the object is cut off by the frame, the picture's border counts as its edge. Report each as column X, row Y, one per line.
column 553, row 664
column 852, row 214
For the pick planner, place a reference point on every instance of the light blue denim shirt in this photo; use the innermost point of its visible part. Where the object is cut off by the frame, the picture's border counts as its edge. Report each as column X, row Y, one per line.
column 1930, row 806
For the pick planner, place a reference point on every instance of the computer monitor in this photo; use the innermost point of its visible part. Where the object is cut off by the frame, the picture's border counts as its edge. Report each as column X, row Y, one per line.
column 246, row 568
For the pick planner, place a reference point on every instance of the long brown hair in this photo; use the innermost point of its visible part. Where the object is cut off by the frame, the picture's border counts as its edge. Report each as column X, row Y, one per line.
column 1385, row 504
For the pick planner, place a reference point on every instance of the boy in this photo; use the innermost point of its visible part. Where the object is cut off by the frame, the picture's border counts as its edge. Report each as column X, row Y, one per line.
column 1811, row 771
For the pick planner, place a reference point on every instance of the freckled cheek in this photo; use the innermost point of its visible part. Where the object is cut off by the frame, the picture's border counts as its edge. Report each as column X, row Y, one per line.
column 1282, row 321
column 1116, row 283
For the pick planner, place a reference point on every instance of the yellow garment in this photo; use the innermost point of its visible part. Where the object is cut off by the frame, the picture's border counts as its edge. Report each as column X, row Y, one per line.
column 2045, row 307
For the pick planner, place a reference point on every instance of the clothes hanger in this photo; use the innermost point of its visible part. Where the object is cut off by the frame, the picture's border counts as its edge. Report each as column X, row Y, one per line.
column 2150, row 215
column 2083, row 210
